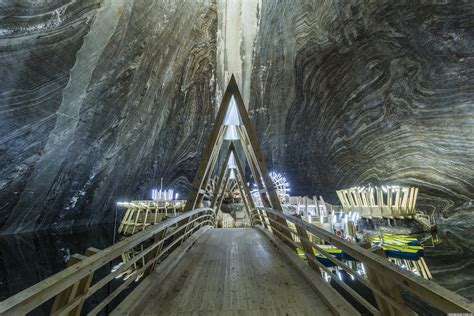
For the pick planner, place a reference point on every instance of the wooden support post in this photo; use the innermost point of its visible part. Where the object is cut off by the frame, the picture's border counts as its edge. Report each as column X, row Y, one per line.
column 207, row 175
column 215, row 199
column 256, row 177
column 209, row 154
column 241, row 173
column 222, row 174
column 254, row 169
column 221, row 197
column 262, row 178
column 306, row 208
column 153, row 254
column 385, row 284
column 212, row 165
column 71, row 300
column 244, row 197
column 246, row 189
column 316, row 203
column 306, row 246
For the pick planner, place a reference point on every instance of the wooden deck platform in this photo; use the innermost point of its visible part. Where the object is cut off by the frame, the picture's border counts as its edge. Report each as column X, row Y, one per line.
column 234, row 271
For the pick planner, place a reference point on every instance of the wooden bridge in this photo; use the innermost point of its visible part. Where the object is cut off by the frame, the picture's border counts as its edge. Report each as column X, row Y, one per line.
column 193, row 268
column 185, row 265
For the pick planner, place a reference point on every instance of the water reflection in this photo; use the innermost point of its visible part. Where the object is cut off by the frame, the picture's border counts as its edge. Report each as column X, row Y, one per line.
column 451, row 260
column 26, row 259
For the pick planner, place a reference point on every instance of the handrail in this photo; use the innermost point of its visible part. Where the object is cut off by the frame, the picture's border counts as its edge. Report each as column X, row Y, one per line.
column 384, row 271
column 69, row 278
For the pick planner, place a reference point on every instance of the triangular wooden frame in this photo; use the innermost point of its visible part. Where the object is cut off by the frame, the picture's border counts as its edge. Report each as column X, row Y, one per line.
column 248, row 144
column 250, row 147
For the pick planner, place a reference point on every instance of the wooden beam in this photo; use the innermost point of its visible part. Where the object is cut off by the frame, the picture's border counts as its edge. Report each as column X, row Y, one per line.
column 209, row 170
column 308, row 248
column 71, row 300
column 255, row 172
column 221, row 176
column 244, row 198
column 221, row 197
column 385, row 284
column 267, row 193
column 211, row 144
column 245, row 187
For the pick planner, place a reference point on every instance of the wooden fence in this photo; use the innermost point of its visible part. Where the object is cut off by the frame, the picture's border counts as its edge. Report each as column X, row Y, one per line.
column 72, row 286
column 384, row 279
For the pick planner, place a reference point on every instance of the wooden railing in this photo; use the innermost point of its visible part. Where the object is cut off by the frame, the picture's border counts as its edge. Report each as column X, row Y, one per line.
column 383, row 278
column 72, row 286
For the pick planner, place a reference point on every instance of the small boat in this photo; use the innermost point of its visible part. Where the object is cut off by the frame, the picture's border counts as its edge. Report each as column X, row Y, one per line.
column 394, row 246
column 398, row 240
column 403, row 252
column 338, row 253
column 399, row 246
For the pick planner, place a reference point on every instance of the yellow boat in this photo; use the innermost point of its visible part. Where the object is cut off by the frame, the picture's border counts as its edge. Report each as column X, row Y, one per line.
column 400, row 246
column 398, row 239
column 321, row 258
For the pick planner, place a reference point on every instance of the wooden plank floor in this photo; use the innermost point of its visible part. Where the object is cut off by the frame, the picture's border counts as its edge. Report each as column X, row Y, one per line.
column 234, row 271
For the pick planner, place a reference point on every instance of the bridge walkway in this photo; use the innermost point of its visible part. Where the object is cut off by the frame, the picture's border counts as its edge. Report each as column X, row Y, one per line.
column 232, row 271
column 185, row 266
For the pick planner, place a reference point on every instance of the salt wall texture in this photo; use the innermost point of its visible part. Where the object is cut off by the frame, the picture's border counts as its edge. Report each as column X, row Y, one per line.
column 237, row 28
column 349, row 93
column 98, row 100
column 101, row 98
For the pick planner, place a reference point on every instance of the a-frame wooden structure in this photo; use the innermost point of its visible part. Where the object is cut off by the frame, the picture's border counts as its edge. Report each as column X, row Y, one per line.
column 233, row 133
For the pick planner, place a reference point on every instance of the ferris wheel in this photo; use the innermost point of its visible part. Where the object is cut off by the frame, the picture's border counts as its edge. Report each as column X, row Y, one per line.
column 281, row 185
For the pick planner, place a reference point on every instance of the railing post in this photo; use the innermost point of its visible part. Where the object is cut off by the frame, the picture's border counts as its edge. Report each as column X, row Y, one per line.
column 303, row 234
column 262, row 219
column 152, row 255
column 75, row 291
column 385, row 284
column 184, row 231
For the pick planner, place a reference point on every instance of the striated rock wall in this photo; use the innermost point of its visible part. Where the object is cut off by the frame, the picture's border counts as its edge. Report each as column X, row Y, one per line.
column 102, row 98
column 99, row 99
column 353, row 92
column 237, row 28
